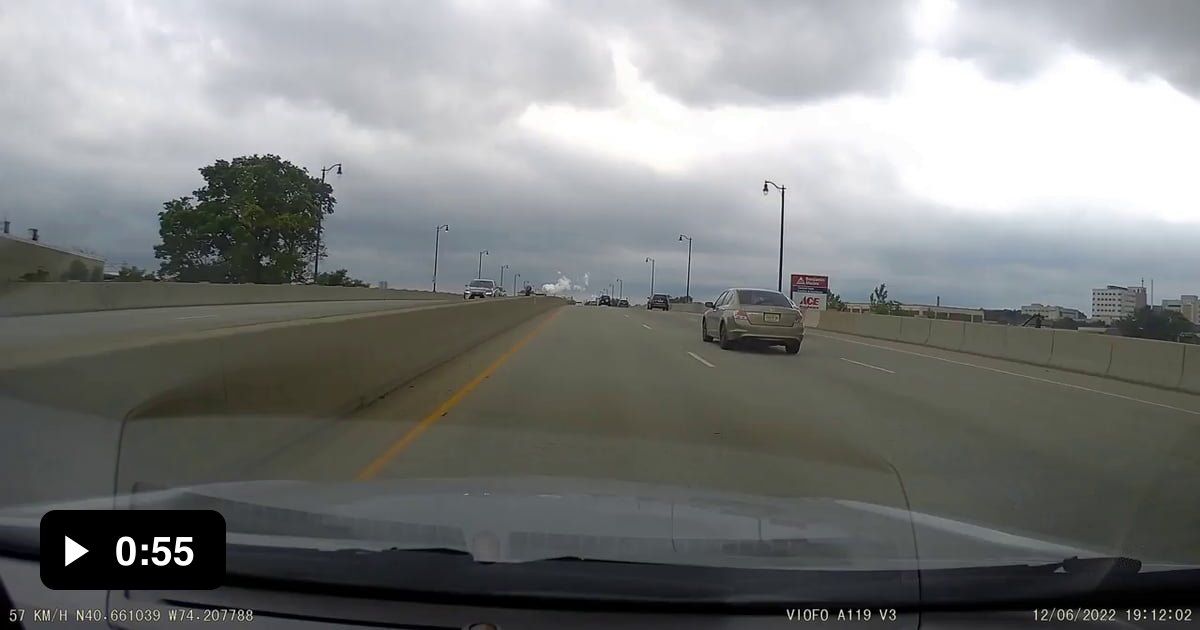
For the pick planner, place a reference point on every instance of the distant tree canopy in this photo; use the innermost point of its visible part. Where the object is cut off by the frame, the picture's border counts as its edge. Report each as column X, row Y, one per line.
column 133, row 274
column 1065, row 323
column 881, row 305
column 835, row 303
column 256, row 219
column 1147, row 323
column 76, row 271
column 339, row 278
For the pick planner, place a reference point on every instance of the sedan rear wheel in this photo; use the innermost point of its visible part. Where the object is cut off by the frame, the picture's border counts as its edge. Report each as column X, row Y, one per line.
column 792, row 347
column 723, row 338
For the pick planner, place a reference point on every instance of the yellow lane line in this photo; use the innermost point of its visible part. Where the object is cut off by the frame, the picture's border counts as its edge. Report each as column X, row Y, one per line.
column 376, row 465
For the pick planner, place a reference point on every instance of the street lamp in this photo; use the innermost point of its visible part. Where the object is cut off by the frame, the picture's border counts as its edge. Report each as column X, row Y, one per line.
column 502, row 268
column 782, row 195
column 688, row 287
column 515, row 277
column 436, row 237
column 620, row 289
column 321, row 218
column 651, row 261
column 483, row 253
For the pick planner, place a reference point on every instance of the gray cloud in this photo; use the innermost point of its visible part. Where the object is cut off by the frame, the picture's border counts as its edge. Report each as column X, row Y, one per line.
column 1014, row 38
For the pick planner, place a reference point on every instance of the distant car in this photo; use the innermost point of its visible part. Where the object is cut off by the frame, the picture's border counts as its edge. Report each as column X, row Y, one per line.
column 761, row 316
column 659, row 300
column 591, row 303
column 623, row 303
column 480, row 288
column 605, row 300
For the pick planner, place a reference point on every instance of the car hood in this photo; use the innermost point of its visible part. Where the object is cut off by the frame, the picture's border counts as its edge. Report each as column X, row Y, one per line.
column 520, row 519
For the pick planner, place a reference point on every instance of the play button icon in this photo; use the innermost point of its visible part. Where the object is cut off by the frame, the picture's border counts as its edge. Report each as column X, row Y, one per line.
column 72, row 551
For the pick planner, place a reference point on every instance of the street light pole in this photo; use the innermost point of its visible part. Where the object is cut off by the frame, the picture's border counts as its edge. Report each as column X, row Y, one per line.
column 651, row 261
column 688, row 287
column 502, row 268
column 436, row 237
column 782, row 197
column 620, row 289
column 515, row 276
column 483, row 253
column 321, row 218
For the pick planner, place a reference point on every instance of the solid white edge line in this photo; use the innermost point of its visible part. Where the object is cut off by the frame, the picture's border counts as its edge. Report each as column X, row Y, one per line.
column 647, row 327
column 196, row 317
column 1019, row 375
column 867, row 365
column 701, row 359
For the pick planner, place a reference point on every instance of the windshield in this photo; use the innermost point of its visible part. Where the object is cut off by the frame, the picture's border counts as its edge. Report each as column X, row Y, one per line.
column 762, row 298
column 375, row 274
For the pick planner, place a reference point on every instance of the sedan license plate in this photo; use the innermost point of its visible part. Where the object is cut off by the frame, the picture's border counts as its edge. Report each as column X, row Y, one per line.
column 770, row 317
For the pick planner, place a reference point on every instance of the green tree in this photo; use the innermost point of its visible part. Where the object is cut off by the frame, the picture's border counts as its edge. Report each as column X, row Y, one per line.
column 1148, row 323
column 835, row 303
column 256, row 219
column 881, row 305
column 76, row 271
column 133, row 274
column 41, row 275
column 339, row 278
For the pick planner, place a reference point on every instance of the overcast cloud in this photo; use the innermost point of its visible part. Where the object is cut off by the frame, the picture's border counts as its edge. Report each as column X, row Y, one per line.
column 990, row 153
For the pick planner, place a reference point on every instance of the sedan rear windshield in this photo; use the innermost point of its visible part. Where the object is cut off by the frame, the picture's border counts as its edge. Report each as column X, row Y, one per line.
column 763, row 298
column 487, row 284
column 660, row 296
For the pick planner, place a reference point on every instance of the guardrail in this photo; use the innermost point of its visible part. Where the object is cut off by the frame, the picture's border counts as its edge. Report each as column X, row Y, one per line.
column 39, row 298
column 1145, row 361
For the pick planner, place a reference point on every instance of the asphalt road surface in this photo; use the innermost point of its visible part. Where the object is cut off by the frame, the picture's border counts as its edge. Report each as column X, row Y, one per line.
column 631, row 394
column 43, row 331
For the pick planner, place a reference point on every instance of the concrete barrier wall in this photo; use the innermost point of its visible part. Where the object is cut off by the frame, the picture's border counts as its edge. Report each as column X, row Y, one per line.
column 1082, row 352
column 1146, row 361
column 985, row 339
column 946, row 334
column 35, row 298
column 878, row 326
column 1190, row 378
column 914, row 330
column 1028, row 345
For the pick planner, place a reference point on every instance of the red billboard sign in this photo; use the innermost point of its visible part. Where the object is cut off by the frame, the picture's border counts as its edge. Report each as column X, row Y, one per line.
column 806, row 282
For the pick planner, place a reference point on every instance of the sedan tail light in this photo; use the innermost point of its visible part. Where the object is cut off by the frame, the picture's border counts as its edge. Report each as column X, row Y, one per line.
column 740, row 314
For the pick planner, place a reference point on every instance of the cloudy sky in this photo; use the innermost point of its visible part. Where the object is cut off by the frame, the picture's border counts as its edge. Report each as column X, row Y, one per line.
column 992, row 153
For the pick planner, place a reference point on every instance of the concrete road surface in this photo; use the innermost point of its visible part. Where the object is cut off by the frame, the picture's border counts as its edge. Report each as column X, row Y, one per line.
column 44, row 331
column 636, row 395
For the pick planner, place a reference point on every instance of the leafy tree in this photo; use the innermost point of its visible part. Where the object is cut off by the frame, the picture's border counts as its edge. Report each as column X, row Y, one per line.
column 256, row 219
column 339, row 278
column 835, row 303
column 1148, row 323
column 133, row 274
column 41, row 275
column 76, row 271
column 881, row 305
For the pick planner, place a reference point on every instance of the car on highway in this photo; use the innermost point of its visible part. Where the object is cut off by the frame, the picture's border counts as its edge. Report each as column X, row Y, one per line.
column 623, row 303
column 591, row 303
column 760, row 316
column 605, row 300
column 480, row 288
column 659, row 300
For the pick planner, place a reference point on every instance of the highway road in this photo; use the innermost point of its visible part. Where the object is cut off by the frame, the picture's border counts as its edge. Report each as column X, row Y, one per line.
column 44, row 331
column 635, row 395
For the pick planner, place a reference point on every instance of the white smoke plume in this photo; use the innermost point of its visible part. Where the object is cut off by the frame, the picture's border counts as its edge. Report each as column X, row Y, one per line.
column 564, row 285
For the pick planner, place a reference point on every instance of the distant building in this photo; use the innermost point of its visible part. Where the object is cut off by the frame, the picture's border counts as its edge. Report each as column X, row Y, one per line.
column 926, row 310
column 1053, row 312
column 1187, row 305
column 32, row 259
column 1114, row 302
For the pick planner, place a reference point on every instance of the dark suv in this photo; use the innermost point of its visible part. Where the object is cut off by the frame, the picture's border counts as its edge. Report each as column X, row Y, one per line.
column 605, row 300
column 659, row 300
